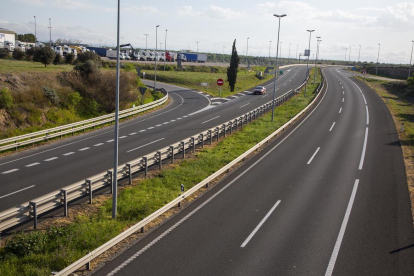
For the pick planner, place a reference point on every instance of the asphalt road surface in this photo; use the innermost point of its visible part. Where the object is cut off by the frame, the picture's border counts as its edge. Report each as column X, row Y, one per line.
column 329, row 197
column 33, row 173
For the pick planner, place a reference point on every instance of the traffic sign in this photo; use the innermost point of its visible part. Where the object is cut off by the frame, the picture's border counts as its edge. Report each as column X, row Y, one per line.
column 220, row 82
column 142, row 90
column 281, row 72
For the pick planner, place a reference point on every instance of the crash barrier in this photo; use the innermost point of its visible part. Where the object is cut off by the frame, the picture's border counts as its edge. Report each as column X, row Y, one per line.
column 45, row 135
column 140, row 226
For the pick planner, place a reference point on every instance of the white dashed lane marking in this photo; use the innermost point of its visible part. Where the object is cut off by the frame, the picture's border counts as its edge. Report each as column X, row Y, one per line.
column 9, row 171
column 109, row 141
column 84, row 149
column 69, row 153
column 97, row 145
column 31, row 165
column 133, row 133
column 50, row 159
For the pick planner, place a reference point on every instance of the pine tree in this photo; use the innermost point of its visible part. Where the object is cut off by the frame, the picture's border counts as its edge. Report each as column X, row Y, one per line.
column 234, row 65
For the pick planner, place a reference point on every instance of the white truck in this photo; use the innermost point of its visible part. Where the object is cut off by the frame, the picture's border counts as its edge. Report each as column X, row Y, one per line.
column 21, row 45
column 59, row 50
column 9, row 45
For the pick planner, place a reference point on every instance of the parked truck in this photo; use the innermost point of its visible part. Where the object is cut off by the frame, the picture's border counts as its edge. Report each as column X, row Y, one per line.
column 192, row 57
column 99, row 51
column 170, row 56
column 20, row 45
column 9, row 45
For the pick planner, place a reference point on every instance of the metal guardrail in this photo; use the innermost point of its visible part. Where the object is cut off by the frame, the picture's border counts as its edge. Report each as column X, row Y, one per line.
column 44, row 135
column 140, row 225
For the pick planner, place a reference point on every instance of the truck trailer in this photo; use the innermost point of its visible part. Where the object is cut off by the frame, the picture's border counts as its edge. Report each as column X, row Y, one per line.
column 99, row 51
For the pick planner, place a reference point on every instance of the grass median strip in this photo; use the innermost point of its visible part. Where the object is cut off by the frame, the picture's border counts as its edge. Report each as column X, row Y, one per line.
column 43, row 251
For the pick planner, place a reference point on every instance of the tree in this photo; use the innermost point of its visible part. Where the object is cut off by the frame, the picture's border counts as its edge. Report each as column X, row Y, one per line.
column 45, row 55
column 234, row 65
column 83, row 57
column 26, row 37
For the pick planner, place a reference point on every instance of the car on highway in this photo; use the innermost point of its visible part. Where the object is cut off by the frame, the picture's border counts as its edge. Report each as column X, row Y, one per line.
column 259, row 90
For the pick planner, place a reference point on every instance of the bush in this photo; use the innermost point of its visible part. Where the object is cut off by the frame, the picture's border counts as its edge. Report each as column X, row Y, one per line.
column 18, row 54
column 87, row 68
column 44, row 55
column 51, row 95
column 84, row 57
column 58, row 59
column 24, row 244
column 74, row 99
column 6, row 99
column 70, row 58
column 4, row 53
column 129, row 67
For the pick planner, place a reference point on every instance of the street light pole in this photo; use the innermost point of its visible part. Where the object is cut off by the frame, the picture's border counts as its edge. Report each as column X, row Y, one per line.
column 297, row 47
column 379, row 47
column 281, row 50
column 247, row 50
column 115, row 172
column 350, row 49
column 35, row 29
column 307, row 64
column 50, row 32
column 223, row 49
column 197, row 45
column 277, row 54
column 155, row 54
column 289, row 53
column 146, row 41
column 165, row 49
column 359, row 54
column 270, row 45
column 409, row 67
column 346, row 51
column 316, row 60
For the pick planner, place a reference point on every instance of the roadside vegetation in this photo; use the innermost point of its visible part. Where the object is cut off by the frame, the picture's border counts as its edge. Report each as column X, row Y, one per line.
column 43, row 251
column 399, row 98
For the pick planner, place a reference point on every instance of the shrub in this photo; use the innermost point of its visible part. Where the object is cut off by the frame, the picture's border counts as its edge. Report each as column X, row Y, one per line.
column 87, row 68
column 51, row 95
column 84, row 57
column 70, row 58
column 129, row 67
column 74, row 99
column 6, row 99
column 58, row 59
column 24, row 244
column 44, row 55
column 4, row 53
column 18, row 54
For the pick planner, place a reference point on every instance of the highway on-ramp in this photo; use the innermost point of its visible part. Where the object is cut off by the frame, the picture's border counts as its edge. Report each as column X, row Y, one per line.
column 35, row 172
column 329, row 197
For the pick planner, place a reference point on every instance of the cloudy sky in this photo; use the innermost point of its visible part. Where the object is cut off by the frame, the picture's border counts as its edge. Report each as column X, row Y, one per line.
column 214, row 24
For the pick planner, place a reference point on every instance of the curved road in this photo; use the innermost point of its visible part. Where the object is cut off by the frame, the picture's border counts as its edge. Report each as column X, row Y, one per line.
column 329, row 197
column 36, row 172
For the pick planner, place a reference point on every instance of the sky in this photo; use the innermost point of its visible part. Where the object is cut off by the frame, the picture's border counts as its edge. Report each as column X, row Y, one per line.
column 342, row 25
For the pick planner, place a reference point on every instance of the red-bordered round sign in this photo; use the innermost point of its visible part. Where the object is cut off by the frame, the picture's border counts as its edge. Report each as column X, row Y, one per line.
column 220, row 82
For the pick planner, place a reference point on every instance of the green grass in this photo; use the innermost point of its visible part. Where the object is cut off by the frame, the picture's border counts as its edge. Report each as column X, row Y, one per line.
column 8, row 66
column 57, row 247
column 193, row 80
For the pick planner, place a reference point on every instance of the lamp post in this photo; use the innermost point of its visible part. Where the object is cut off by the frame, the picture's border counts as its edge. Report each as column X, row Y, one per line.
column 50, row 32
column 146, row 41
column 316, row 60
column 165, row 49
column 115, row 172
column 346, row 51
column 289, row 53
column 379, row 47
column 281, row 50
column 307, row 64
column 35, row 29
column 197, row 45
column 350, row 49
column 223, row 49
column 297, row 47
column 277, row 53
column 247, row 51
column 155, row 54
column 409, row 67
column 270, row 45
column 359, row 54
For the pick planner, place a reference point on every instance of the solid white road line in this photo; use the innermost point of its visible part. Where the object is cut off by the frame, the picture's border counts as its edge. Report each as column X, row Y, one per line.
column 244, row 105
column 18, row 191
column 84, row 149
column 313, row 156
column 50, row 159
column 67, row 154
column 332, row 126
column 365, row 101
column 340, row 110
column 146, row 144
column 9, row 171
column 210, row 120
column 31, row 165
column 97, row 145
column 367, row 115
column 341, row 234
column 361, row 163
column 260, row 224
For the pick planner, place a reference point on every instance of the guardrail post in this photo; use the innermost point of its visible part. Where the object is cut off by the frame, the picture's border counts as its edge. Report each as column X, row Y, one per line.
column 89, row 183
column 172, row 154
column 34, row 206
column 210, row 134
column 110, row 180
column 88, row 264
column 159, row 159
column 129, row 173
column 183, row 147
column 224, row 130
column 231, row 127
column 146, row 165
column 207, row 184
column 60, row 134
column 143, row 229
column 241, row 121
column 193, row 143
column 218, row 132
column 202, row 140
column 65, row 202
column 73, row 133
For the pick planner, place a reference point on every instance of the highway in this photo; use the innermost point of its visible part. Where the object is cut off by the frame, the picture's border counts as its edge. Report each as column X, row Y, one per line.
column 328, row 197
column 35, row 172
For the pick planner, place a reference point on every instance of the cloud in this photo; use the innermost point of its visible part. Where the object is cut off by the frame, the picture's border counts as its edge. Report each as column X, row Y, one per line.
column 141, row 9
column 211, row 11
column 71, row 4
column 398, row 17
column 34, row 2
